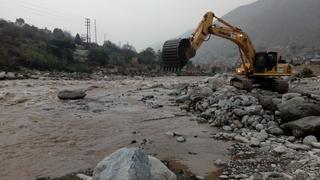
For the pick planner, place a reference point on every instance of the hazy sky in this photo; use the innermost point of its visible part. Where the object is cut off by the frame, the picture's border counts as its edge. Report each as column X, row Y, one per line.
column 139, row 22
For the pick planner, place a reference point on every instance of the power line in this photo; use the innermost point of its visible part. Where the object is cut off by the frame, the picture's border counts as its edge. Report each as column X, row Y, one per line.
column 15, row 5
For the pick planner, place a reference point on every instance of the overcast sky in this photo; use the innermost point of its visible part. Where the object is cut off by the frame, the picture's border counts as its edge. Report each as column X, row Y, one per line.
column 139, row 22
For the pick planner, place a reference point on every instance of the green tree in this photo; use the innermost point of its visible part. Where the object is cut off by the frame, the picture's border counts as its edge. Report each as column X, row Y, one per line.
column 98, row 56
column 77, row 39
column 20, row 21
column 147, row 56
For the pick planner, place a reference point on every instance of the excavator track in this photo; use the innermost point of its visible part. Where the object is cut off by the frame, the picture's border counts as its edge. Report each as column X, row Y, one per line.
column 271, row 84
column 242, row 83
column 281, row 86
column 175, row 54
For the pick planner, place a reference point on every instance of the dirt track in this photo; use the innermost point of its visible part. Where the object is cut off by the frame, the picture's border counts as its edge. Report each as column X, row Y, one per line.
column 42, row 136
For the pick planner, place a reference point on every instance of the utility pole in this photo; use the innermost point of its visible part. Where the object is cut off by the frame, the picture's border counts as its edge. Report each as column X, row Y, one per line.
column 95, row 31
column 87, row 24
column 104, row 37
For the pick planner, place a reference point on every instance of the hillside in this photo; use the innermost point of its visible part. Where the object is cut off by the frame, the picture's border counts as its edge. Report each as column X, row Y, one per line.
column 289, row 26
column 24, row 46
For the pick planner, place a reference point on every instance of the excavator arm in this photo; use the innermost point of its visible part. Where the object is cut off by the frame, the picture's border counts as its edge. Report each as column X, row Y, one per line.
column 177, row 52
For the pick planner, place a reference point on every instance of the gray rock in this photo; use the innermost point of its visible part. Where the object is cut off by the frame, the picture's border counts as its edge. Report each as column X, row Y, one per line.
column 241, row 139
column 272, row 124
column 10, row 75
column 254, row 142
column 280, row 149
column 254, row 109
column 182, row 99
column 301, row 174
column 298, row 146
column 239, row 112
column 227, row 128
column 296, row 108
column 261, row 136
column 206, row 91
column 308, row 140
column 201, row 120
column 129, row 164
column 171, row 133
column 291, row 138
column 159, row 171
column 2, row 75
column 71, row 94
column 238, row 124
column 267, row 103
column 288, row 96
column 181, row 139
column 315, row 145
column 259, row 127
column 220, row 162
column 276, row 131
column 304, row 126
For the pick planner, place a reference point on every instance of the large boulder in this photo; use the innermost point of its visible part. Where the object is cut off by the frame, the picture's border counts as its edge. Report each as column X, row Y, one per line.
column 159, row 171
column 297, row 108
column 124, row 164
column 305, row 126
column 72, row 94
column 131, row 164
column 2, row 75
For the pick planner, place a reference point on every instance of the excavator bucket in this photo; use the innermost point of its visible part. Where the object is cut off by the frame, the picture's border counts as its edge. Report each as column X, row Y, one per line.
column 176, row 53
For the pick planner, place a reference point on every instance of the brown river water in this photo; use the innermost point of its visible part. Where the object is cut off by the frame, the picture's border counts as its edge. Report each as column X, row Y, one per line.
column 42, row 136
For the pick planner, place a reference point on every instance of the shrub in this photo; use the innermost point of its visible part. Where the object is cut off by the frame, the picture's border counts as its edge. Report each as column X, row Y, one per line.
column 98, row 56
column 306, row 73
column 41, row 60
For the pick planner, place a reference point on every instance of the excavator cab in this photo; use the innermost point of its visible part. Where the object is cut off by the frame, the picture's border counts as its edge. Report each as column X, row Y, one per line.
column 265, row 61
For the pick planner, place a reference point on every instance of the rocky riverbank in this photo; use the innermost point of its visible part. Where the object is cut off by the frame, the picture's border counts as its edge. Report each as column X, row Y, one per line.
column 272, row 142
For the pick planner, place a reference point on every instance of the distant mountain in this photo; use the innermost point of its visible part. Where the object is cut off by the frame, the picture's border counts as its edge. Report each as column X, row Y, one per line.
column 288, row 26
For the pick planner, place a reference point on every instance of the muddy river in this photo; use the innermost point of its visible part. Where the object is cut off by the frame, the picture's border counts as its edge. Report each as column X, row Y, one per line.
column 42, row 136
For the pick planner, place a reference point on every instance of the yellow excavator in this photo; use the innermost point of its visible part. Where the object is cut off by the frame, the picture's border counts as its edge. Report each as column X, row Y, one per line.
column 262, row 69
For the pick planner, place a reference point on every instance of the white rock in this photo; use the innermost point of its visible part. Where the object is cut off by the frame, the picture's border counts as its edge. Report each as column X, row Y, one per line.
column 181, row 139
column 289, row 96
column 2, row 75
column 224, row 177
column 84, row 177
column 125, row 164
column 241, row 139
column 280, row 149
column 315, row 145
column 130, row 164
column 10, row 75
column 170, row 133
column 159, row 171
column 219, row 162
column 298, row 146
column 227, row 128
column 254, row 142
column 309, row 139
